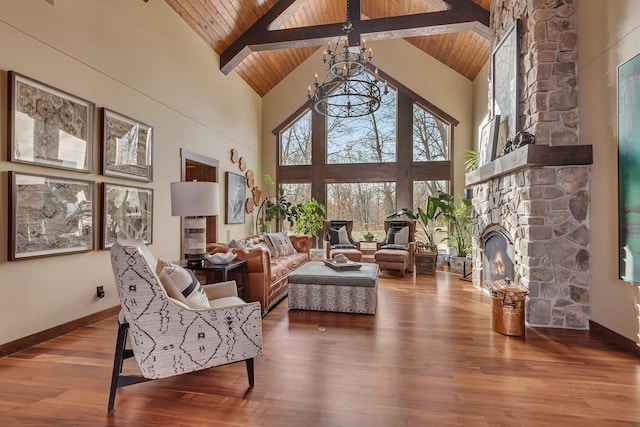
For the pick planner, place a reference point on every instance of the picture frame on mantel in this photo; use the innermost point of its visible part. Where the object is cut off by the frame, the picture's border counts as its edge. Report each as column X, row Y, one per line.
column 49, row 215
column 488, row 140
column 505, row 85
column 127, row 147
column 629, row 170
column 49, row 127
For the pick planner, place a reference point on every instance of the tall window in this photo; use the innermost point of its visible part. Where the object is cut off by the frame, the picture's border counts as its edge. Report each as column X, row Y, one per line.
column 295, row 142
column 295, row 193
column 366, row 203
column 430, row 136
column 365, row 168
column 366, row 139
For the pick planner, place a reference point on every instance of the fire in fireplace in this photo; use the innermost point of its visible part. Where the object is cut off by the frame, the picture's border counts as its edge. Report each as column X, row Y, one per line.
column 498, row 255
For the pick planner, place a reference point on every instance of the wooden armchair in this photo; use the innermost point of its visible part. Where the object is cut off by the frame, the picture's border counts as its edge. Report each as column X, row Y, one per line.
column 394, row 255
column 167, row 337
column 334, row 243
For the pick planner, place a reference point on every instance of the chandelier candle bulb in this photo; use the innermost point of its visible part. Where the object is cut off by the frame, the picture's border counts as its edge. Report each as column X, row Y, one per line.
column 349, row 89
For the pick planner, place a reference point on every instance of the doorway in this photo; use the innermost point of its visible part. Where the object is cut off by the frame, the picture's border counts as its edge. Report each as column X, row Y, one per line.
column 201, row 168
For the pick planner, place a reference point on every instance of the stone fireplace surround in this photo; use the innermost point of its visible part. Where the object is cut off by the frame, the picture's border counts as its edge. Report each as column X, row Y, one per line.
column 540, row 196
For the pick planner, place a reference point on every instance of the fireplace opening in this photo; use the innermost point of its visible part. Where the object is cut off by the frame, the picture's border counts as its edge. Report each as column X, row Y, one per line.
column 498, row 255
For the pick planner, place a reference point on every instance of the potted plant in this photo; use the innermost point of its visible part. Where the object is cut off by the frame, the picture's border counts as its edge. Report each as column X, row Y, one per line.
column 427, row 221
column 308, row 218
column 426, row 249
column 460, row 229
column 368, row 236
column 274, row 208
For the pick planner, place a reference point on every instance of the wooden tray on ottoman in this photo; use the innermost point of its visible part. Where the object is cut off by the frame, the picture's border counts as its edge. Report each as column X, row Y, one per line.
column 342, row 266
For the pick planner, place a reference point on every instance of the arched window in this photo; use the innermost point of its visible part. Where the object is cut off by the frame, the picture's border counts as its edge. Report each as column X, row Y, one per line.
column 366, row 168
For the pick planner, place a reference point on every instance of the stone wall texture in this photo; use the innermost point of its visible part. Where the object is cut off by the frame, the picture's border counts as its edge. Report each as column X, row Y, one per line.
column 548, row 65
column 546, row 212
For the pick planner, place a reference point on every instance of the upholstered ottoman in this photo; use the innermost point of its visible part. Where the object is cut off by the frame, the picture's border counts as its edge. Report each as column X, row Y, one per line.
column 353, row 254
column 393, row 259
column 315, row 286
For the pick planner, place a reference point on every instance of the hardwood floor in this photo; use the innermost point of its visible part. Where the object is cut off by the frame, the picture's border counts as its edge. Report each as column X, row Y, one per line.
column 428, row 357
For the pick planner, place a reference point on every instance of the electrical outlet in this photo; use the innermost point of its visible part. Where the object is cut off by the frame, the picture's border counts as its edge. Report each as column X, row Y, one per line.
column 100, row 291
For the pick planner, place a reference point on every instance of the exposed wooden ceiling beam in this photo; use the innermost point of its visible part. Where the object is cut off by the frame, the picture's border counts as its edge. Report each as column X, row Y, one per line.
column 463, row 15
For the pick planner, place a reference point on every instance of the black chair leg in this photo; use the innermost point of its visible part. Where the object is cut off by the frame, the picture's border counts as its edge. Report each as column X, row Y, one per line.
column 250, row 371
column 117, row 363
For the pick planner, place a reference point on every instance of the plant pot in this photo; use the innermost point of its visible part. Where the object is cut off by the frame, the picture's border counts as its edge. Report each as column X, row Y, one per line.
column 456, row 264
column 426, row 262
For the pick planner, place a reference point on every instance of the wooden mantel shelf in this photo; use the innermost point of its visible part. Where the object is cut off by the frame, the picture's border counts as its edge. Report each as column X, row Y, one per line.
column 531, row 156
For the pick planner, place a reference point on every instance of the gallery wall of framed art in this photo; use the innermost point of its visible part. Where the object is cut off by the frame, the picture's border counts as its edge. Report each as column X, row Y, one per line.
column 54, row 215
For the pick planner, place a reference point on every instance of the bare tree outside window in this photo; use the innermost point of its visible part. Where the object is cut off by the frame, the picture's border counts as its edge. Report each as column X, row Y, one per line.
column 295, row 142
column 430, row 136
column 366, row 139
column 366, row 203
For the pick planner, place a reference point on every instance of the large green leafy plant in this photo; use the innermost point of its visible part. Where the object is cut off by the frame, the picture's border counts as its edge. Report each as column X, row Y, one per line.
column 460, row 222
column 426, row 219
column 443, row 209
column 309, row 216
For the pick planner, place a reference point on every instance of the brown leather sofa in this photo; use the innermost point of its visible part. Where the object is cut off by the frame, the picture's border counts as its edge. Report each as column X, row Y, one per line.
column 267, row 276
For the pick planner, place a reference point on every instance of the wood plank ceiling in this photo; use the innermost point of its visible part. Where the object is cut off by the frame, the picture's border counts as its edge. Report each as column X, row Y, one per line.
column 224, row 24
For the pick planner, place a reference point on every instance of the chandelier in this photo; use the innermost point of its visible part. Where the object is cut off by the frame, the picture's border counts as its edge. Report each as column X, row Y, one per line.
column 348, row 90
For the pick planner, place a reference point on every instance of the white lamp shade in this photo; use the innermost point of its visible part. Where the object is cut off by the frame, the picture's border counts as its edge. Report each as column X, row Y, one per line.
column 194, row 198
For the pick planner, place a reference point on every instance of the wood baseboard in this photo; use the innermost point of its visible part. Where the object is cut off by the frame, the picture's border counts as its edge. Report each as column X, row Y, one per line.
column 37, row 338
column 618, row 340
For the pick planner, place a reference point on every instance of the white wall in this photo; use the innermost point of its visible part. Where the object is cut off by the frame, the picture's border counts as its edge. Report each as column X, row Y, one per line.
column 608, row 35
column 435, row 82
column 139, row 59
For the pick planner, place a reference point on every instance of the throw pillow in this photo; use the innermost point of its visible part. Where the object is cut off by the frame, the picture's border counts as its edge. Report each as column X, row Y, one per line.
column 343, row 246
column 402, row 236
column 178, row 279
column 397, row 236
column 343, row 237
column 396, row 247
column 332, row 236
column 390, row 239
column 235, row 244
column 280, row 244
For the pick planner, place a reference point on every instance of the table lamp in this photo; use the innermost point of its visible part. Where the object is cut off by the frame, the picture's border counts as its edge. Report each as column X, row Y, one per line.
column 194, row 200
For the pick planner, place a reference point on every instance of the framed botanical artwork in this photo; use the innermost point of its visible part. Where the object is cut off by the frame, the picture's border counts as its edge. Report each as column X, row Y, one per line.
column 505, row 78
column 127, row 212
column 49, row 215
column 49, row 127
column 127, row 147
column 488, row 140
column 235, row 198
column 629, row 170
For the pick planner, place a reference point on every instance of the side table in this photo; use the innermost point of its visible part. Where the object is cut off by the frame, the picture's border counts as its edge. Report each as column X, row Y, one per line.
column 209, row 267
